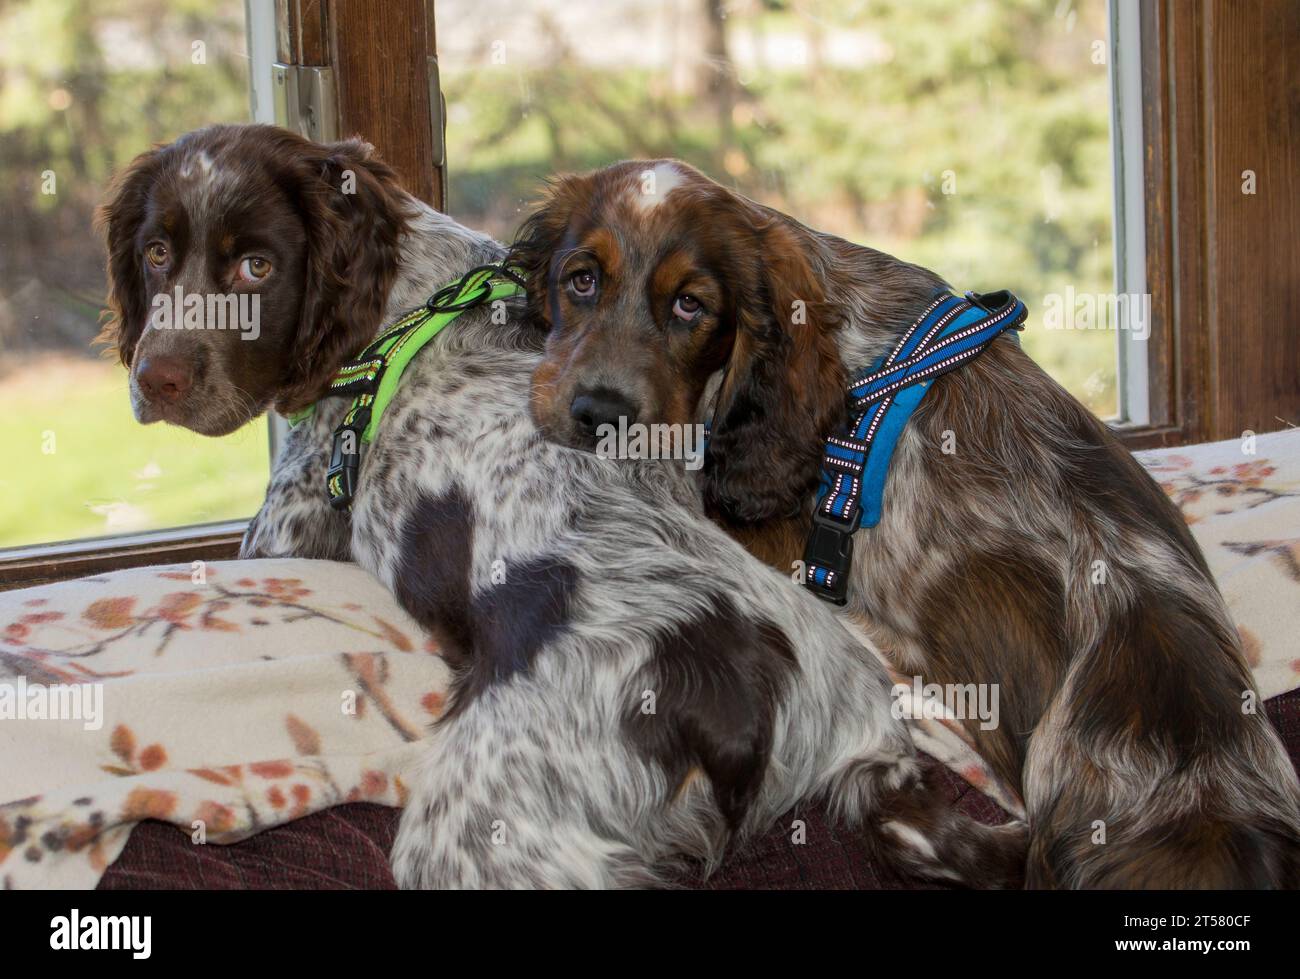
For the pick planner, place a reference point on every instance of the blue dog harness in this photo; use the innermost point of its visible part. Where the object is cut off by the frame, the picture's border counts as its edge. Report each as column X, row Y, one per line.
column 947, row 334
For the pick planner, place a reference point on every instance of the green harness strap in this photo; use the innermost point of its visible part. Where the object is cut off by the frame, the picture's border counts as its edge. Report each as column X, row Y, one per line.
column 373, row 377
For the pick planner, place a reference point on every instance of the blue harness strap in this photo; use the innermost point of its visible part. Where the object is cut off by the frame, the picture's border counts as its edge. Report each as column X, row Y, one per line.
column 948, row 333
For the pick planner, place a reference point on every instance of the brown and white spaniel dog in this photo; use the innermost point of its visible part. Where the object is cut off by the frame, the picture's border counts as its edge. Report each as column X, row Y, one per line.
column 1128, row 714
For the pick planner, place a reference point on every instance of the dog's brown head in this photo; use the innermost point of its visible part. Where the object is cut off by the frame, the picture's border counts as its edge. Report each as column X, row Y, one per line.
column 650, row 278
column 245, row 264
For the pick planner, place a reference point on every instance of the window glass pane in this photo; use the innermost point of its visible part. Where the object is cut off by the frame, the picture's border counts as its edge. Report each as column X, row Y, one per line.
column 970, row 137
column 84, row 87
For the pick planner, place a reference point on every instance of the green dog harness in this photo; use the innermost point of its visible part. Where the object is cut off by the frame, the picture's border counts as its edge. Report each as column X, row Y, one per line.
column 373, row 377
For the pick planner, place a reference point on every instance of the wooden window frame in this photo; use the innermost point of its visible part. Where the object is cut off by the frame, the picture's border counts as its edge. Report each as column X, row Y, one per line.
column 383, row 58
column 41, row 564
column 1220, row 261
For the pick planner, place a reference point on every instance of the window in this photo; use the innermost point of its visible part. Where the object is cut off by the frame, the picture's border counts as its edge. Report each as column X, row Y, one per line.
column 83, row 89
column 1056, row 147
column 88, row 87
column 970, row 137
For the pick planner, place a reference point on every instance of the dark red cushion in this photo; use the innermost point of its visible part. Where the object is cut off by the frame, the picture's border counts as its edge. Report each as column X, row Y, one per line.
column 347, row 847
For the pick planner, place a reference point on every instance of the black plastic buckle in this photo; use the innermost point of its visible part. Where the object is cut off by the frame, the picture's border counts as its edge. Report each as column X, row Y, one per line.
column 994, row 303
column 441, row 301
column 344, row 465
column 990, row 302
column 830, row 546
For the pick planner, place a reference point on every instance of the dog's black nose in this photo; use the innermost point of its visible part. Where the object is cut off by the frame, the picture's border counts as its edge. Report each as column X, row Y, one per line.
column 591, row 409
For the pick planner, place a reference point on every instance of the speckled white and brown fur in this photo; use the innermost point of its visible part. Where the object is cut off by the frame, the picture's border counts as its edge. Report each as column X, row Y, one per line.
column 1128, row 712
column 631, row 687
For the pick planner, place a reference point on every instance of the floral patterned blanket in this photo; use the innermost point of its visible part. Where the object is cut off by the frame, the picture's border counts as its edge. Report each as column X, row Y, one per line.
column 231, row 697
column 1242, row 499
column 224, row 699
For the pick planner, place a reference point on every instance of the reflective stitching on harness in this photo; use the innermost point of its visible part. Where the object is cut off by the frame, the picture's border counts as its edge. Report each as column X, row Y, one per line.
column 855, row 463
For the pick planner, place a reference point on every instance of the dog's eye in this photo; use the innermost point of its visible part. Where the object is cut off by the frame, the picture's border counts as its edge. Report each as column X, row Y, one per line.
column 254, row 269
column 687, row 307
column 583, row 283
column 157, row 254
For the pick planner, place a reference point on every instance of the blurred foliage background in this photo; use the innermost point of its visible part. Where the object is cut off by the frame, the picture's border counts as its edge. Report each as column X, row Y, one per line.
column 967, row 135
column 970, row 136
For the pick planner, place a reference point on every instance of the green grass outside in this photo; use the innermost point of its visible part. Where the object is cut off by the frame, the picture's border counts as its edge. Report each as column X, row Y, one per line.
column 138, row 477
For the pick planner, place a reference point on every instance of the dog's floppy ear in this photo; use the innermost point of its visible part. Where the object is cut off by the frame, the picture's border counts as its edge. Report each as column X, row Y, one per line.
column 354, row 213
column 118, row 219
column 541, row 235
column 783, row 390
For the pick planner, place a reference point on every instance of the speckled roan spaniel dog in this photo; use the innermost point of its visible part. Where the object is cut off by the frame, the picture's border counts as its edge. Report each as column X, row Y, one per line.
column 631, row 686
column 1126, row 705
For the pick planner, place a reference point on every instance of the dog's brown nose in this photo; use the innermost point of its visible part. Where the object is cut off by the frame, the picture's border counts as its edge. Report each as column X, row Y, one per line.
column 164, row 379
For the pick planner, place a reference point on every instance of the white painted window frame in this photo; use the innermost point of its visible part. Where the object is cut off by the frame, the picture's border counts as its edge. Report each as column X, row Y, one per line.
column 1129, row 223
column 259, row 21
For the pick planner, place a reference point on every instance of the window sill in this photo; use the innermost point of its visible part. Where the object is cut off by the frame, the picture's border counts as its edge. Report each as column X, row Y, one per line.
column 41, row 564
column 1139, row 437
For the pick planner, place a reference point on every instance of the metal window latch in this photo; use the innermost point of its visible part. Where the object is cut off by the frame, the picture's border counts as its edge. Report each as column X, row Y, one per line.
column 306, row 101
column 438, row 126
